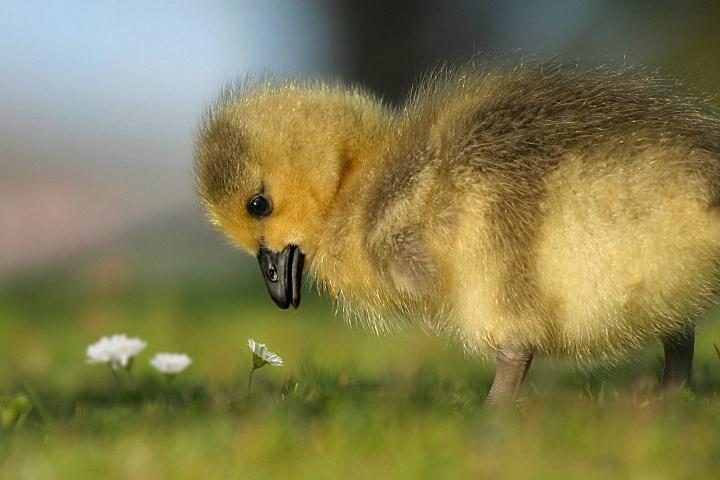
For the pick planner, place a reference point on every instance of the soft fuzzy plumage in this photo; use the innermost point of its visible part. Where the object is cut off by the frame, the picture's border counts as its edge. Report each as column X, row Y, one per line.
column 545, row 208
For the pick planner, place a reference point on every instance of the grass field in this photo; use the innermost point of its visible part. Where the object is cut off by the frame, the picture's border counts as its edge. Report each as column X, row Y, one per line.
column 346, row 405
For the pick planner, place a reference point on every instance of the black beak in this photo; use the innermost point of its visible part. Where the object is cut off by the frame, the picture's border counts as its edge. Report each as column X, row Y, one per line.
column 283, row 274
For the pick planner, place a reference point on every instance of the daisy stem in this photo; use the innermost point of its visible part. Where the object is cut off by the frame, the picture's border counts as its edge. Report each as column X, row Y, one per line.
column 132, row 379
column 250, row 380
column 117, row 377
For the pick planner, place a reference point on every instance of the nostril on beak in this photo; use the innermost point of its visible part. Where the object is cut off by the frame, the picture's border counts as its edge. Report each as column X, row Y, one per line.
column 272, row 275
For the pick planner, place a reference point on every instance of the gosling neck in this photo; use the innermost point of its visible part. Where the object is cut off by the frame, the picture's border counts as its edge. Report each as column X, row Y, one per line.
column 341, row 263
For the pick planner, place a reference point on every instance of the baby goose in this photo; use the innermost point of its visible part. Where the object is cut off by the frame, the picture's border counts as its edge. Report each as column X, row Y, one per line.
column 541, row 209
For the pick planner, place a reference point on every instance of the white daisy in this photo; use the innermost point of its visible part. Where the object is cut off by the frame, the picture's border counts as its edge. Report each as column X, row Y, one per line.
column 170, row 364
column 117, row 351
column 100, row 352
column 262, row 356
column 126, row 349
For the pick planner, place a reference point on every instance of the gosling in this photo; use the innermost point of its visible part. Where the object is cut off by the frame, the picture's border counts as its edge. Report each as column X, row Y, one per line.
column 535, row 209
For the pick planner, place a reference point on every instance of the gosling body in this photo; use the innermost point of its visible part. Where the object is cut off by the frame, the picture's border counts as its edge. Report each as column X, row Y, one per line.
column 547, row 209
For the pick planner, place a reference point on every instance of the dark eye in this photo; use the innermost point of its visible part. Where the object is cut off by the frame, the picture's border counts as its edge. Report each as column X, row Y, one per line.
column 259, row 206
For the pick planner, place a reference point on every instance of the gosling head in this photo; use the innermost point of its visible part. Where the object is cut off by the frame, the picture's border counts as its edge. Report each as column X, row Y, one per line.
column 271, row 157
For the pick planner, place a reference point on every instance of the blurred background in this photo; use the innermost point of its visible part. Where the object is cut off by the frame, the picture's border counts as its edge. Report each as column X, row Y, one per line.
column 98, row 107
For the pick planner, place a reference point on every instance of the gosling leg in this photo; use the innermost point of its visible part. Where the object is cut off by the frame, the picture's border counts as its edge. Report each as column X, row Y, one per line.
column 511, row 366
column 679, row 350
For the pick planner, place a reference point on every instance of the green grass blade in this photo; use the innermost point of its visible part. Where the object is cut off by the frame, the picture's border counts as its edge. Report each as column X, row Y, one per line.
column 44, row 414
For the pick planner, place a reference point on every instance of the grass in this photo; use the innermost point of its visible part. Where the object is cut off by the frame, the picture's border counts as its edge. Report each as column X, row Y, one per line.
column 347, row 404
